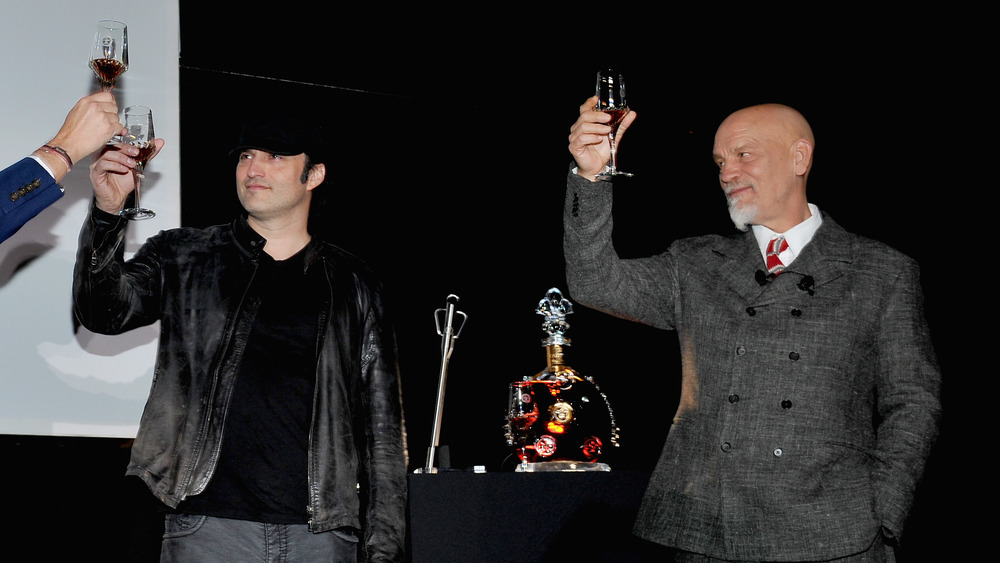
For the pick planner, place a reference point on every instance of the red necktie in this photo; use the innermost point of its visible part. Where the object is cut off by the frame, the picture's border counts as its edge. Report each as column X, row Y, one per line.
column 774, row 265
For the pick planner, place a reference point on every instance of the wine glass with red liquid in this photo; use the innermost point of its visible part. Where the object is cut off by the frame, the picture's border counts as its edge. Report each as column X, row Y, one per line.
column 138, row 122
column 109, row 53
column 522, row 413
column 611, row 100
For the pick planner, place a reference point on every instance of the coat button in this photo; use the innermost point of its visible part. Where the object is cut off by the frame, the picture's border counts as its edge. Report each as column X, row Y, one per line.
column 793, row 356
column 734, row 398
column 778, row 452
column 751, row 311
column 786, row 404
column 726, row 447
column 740, row 350
column 796, row 312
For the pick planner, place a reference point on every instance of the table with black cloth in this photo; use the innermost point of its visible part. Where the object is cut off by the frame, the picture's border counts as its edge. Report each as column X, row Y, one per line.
column 526, row 517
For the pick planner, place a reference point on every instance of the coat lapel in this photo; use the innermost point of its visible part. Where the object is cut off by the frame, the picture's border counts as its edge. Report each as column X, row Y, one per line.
column 827, row 257
column 740, row 261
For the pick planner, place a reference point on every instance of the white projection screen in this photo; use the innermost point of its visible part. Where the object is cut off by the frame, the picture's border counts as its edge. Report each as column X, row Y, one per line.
column 54, row 380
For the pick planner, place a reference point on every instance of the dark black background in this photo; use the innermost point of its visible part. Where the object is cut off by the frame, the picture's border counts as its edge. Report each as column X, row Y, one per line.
column 449, row 178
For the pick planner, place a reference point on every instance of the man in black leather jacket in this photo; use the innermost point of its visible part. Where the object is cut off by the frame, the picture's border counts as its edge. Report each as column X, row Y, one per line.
column 274, row 416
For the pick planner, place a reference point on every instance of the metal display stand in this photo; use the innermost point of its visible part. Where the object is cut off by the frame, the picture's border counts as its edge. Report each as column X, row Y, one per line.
column 449, row 330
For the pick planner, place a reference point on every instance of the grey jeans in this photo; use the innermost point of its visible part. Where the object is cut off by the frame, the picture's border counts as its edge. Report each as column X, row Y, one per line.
column 205, row 539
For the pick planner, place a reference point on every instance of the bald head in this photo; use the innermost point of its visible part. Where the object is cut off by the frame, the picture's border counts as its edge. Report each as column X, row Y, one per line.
column 781, row 122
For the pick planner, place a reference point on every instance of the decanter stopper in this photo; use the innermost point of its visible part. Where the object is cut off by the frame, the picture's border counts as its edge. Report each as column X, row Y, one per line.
column 554, row 307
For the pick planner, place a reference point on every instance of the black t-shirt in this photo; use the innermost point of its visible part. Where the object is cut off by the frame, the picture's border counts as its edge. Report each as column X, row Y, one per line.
column 262, row 469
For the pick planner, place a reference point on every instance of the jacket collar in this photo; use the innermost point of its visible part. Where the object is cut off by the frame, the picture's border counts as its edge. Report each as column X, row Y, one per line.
column 827, row 257
column 252, row 243
column 249, row 240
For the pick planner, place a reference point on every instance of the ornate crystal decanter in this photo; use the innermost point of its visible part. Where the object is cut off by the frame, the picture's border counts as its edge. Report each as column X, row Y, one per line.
column 558, row 419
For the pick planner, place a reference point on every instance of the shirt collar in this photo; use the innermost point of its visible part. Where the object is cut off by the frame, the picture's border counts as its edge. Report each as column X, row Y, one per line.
column 798, row 236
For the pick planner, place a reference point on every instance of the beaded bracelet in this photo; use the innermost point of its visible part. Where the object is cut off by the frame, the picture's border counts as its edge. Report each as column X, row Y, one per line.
column 61, row 152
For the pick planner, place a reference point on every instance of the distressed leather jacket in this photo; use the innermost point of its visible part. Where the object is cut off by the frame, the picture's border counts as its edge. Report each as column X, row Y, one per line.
column 194, row 282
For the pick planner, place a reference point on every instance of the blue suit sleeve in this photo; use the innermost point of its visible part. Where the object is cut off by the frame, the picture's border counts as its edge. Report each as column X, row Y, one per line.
column 27, row 189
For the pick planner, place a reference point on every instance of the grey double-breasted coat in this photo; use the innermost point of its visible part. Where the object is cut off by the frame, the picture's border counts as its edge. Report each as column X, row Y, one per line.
column 808, row 404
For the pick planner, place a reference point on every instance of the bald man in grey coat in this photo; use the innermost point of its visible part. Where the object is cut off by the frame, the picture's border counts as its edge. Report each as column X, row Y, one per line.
column 809, row 386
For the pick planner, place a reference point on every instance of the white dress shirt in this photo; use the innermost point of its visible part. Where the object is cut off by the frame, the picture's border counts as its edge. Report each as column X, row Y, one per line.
column 798, row 236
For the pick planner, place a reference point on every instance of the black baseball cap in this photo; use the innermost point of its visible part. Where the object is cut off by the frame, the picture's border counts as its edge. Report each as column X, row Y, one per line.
column 283, row 135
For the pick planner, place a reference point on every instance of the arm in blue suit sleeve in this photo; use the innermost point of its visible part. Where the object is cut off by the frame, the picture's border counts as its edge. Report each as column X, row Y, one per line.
column 27, row 188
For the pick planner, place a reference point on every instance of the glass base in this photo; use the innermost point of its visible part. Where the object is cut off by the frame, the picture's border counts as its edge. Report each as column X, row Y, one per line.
column 611, row 173
column 136, row 213
column 566, row 466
